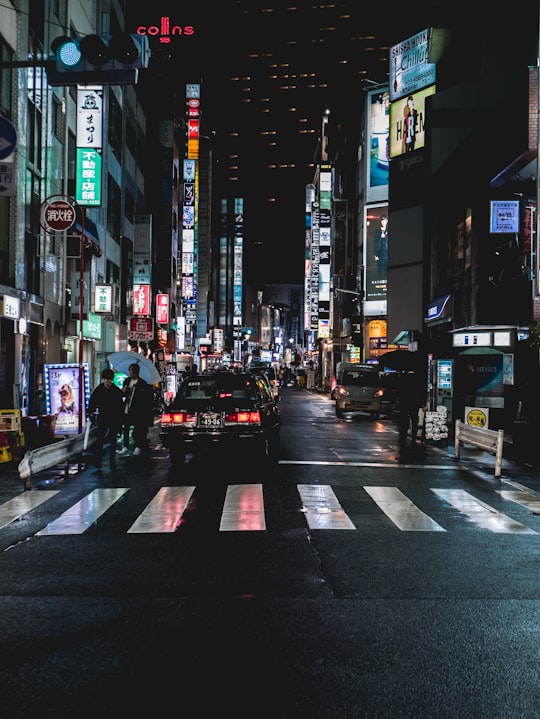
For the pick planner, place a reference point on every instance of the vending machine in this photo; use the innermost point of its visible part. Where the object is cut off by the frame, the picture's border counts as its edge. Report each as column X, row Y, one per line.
column 444, row 385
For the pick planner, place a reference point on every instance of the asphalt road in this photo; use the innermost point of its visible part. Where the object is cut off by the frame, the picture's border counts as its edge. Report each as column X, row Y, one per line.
column 361, row 580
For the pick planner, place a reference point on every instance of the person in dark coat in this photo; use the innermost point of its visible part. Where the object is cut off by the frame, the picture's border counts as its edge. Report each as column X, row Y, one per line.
column 411, row 398
column 138, row 411
column 107, row 406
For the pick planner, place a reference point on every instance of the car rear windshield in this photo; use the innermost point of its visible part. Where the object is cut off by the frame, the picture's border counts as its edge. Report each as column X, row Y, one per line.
column 361, row 379
column 219, row 385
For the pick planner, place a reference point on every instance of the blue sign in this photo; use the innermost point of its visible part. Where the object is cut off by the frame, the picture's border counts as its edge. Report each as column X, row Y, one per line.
column 8, row 138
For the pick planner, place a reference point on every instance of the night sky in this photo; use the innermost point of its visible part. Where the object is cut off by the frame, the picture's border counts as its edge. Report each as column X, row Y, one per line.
column 291, row 65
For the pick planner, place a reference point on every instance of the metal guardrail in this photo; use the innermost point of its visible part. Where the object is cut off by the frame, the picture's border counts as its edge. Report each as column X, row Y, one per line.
column 48, row 456
column 491, row 440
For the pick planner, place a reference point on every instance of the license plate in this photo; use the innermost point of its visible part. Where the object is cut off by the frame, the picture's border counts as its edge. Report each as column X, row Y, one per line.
column 210, row 420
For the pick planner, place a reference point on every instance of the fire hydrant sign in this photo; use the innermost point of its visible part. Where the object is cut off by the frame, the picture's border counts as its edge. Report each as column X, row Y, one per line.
column 141, row 329
column 57, row 214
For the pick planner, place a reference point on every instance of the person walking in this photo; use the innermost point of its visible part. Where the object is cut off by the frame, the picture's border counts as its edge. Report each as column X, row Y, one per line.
column 411, row 398
column 138, row 412
column 107, row 406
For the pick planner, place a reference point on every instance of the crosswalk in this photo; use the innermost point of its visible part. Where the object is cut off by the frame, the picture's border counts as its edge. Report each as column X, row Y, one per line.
column 243, row 509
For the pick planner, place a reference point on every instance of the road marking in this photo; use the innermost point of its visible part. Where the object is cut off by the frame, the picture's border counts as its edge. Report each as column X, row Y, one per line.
column 481, row 513
column 325, row 463
column 526, row 498
column 243, row 510
column 403, row 513
column 84, row 513
column 25, row 502
column 322, row 507
column 164, row 513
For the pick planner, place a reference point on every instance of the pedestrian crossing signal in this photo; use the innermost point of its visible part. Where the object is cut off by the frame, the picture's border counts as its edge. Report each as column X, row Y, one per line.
column 98, row 59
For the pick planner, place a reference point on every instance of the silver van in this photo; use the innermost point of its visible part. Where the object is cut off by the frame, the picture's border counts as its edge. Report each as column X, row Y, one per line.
column 359, row 388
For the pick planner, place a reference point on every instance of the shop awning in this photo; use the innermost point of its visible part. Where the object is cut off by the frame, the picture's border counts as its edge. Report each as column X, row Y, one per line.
column 481, row 351
column 406, row 338
column 524, row 167
column 87, row 227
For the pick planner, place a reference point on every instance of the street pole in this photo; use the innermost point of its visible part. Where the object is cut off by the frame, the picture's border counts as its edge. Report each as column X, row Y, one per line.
column 81, row 311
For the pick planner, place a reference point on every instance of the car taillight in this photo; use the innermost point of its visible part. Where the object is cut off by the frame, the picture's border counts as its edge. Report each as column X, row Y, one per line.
column 171, row 418
column 242, row 418
column 379, row 393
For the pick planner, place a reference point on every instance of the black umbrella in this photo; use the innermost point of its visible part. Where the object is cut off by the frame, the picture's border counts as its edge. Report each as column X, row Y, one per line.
column 402, row 361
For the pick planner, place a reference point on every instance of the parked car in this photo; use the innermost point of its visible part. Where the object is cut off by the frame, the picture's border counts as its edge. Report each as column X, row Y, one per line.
column 359, row 388
column 222, row 411
column 268, row 371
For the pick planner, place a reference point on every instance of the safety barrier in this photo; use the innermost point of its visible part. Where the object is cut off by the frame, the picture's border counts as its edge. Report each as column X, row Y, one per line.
column 41, row 458
column 491, row 440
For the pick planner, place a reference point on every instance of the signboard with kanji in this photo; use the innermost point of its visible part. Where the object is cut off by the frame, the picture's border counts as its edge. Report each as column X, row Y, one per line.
column 141, row 329
column 162, row 309
column 57, row 213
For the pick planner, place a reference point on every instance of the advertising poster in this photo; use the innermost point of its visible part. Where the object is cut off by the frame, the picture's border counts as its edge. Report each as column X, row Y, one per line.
column 62, row 395
column 408, row 122
column 376, row 261
column 410, row 68
column 379, row 159
column 481, row 380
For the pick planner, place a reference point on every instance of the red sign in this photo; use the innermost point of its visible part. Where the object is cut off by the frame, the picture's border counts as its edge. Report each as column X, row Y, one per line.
column 58, row 215
column 141, row 328
column 141, row 299
column 193, row 128
column 162, row 309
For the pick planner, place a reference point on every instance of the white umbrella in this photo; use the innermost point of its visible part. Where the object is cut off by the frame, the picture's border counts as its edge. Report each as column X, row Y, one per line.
column 120, row 362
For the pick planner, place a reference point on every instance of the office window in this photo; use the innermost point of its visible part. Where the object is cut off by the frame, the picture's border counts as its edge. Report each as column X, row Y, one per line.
column 115, row 126
column 5, row 80
column 114, row 208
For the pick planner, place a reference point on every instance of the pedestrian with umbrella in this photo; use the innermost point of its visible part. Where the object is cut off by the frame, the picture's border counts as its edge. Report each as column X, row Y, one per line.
column 138, row 411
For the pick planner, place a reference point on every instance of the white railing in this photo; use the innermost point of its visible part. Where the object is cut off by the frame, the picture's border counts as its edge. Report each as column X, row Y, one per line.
column 491, row 440
column 41, row 458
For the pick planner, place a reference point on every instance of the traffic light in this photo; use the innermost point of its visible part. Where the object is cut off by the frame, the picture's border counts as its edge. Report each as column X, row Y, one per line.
column 102, row 59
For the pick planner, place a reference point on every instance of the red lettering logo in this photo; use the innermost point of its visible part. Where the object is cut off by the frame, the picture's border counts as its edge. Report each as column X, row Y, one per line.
column 165, row 30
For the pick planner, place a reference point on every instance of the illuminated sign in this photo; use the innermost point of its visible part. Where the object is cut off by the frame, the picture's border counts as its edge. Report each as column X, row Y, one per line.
column 165, row 31
column 504, row 216
column 62, row 395
column 472, row 339
column 88, row 177
column 162, row 309
column 141, row 299
column 90, row 116
column 408, row 121
column 10, row 307
column 409, row 67
column 103, row 296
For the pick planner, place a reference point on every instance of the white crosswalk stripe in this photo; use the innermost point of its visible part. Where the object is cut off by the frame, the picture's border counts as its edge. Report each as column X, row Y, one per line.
column 84, row 513
column 481, row 513
column 403, row 513
column 243, row 509
column 322, row 508
column 164, row 513
column 25, row 502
